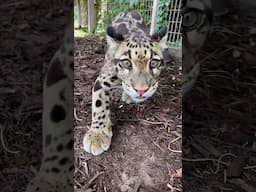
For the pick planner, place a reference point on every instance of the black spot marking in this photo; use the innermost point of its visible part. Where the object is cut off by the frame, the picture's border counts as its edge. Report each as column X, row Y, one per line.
column 71, row 53
column 63, row 161
column 62, row 95
column 37, row 189
column 106, row 84
column 54, row 157
column 122, row 29
column 70, row 145
column 145, row 52
column 129, row 54
column 103, row 116
column 98, row 103
column 59, row 147
column 107, row 93
column 107, row 107
column 101, row 123
column 97, row 86
column 55, row 73
column 114, row 78
column 151, row 54
column 55, row 170
column 58, row 113
column 112, row 33
column 142, row 26
column 135, row 15
column 146, row 46
column 71, row 168
column 119, row 20
column 94, row 114
column 71, row 65
column 48, row 140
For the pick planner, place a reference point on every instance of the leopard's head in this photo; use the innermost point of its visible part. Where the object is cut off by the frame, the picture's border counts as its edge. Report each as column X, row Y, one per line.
column 138, row 61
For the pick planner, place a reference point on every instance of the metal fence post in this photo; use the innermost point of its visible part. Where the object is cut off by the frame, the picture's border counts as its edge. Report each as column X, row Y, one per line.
column 153, row 17
column 79, row 18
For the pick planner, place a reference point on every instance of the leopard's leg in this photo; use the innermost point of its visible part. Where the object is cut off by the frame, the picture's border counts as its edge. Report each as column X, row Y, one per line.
column 56, row 170
column 98, row 138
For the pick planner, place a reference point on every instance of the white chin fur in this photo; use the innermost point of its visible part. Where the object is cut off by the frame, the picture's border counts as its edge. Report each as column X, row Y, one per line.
column 135, row 96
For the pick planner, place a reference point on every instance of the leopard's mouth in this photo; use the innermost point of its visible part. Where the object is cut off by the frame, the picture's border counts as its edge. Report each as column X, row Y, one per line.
column 137, row 97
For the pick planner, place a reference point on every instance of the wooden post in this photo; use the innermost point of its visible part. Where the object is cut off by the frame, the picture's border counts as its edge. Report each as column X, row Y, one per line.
column 79, row 18
column 91, row 15
column 153, row 17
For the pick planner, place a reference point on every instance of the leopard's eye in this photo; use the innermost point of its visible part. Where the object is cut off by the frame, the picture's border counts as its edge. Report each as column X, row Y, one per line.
column 155, row 63
column 126, row 64
column 190, row 18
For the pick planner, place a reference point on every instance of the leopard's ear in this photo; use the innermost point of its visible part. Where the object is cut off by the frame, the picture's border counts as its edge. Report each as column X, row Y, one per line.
column 113, row 38
column 161, row 37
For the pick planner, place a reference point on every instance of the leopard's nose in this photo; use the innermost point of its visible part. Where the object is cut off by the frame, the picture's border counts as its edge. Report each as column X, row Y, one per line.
column 141, row 89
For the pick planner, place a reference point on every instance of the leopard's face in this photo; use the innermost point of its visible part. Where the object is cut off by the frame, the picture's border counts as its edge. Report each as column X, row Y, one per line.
column 138, row 62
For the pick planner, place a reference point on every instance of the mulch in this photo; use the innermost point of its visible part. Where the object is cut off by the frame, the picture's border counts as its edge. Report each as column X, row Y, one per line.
column 219, row 134
column 31, row 32
column 145, row 154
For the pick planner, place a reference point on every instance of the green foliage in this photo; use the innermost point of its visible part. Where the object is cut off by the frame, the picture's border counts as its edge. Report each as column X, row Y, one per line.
column 163, row 14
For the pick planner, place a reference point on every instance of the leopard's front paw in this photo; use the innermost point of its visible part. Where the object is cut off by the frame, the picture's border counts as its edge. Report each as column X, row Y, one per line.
column 96, row 141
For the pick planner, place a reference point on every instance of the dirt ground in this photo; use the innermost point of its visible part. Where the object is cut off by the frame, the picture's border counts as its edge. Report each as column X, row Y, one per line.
column 30, row 35
column 219, row 152
column 145, row 153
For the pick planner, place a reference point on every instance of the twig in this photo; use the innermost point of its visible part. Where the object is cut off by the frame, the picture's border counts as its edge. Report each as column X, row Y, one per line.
column 92, row 179
column 75, row 115
column 158, row 146
column 174, row 151
column 151, row 122
column 219, row 160
column 78, row 183
column 3, row 144
column 204, row 159
column 250, row 167
column 242, row 184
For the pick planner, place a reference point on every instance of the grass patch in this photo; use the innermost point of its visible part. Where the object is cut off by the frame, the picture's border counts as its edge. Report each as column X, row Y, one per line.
column 82, row 32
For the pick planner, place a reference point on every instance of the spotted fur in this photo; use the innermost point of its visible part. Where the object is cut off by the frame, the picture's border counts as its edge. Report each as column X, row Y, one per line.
column 56, row 171
column 134, row 60
column 196, row 24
